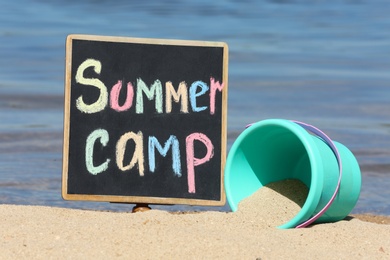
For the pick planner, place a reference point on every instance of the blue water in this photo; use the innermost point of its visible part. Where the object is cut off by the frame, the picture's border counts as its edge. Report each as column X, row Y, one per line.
column 326, row 63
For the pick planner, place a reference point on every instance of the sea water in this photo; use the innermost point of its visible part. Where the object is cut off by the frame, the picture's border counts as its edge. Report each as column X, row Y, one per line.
column 326, row 63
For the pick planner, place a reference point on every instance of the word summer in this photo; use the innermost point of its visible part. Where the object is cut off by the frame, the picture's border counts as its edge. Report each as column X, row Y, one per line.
column 153, row 144
column 187, row 96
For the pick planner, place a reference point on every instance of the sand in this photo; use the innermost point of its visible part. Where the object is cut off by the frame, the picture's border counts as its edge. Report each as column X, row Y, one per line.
column 37, row 232
column 277, row 203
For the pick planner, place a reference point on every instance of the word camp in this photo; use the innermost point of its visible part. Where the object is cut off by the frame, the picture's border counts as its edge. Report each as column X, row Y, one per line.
column 187, row 96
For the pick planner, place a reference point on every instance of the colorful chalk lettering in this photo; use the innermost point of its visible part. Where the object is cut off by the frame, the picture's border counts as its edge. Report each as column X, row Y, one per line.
column 192, row 161
column 172, row 141
column 138, row 157
column 154, row 144
column 103, row 136
column 114, row 97
column 154, row 92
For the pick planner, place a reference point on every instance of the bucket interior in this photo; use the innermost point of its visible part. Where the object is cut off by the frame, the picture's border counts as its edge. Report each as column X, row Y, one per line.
column 275, row 153
column 262, row 155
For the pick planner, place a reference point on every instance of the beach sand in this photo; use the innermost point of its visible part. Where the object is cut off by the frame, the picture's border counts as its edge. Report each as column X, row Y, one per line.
column 38, row 232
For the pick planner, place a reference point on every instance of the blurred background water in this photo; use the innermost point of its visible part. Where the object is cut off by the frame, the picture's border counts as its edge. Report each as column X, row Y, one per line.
column 326, row 63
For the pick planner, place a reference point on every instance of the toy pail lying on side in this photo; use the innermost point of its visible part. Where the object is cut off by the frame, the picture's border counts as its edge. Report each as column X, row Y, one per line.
column 277, row 149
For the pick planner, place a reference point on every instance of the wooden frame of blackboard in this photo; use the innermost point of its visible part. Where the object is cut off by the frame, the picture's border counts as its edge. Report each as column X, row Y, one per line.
column 219, row 200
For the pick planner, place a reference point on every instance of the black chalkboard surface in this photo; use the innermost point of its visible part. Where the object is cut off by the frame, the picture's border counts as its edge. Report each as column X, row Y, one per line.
column 144, row 120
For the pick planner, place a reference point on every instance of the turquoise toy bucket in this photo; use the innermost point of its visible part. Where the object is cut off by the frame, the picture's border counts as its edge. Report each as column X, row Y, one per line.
column 277, row 149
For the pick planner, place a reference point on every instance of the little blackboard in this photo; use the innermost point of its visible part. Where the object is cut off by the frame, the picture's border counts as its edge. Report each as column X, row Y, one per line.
column 144, row 120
